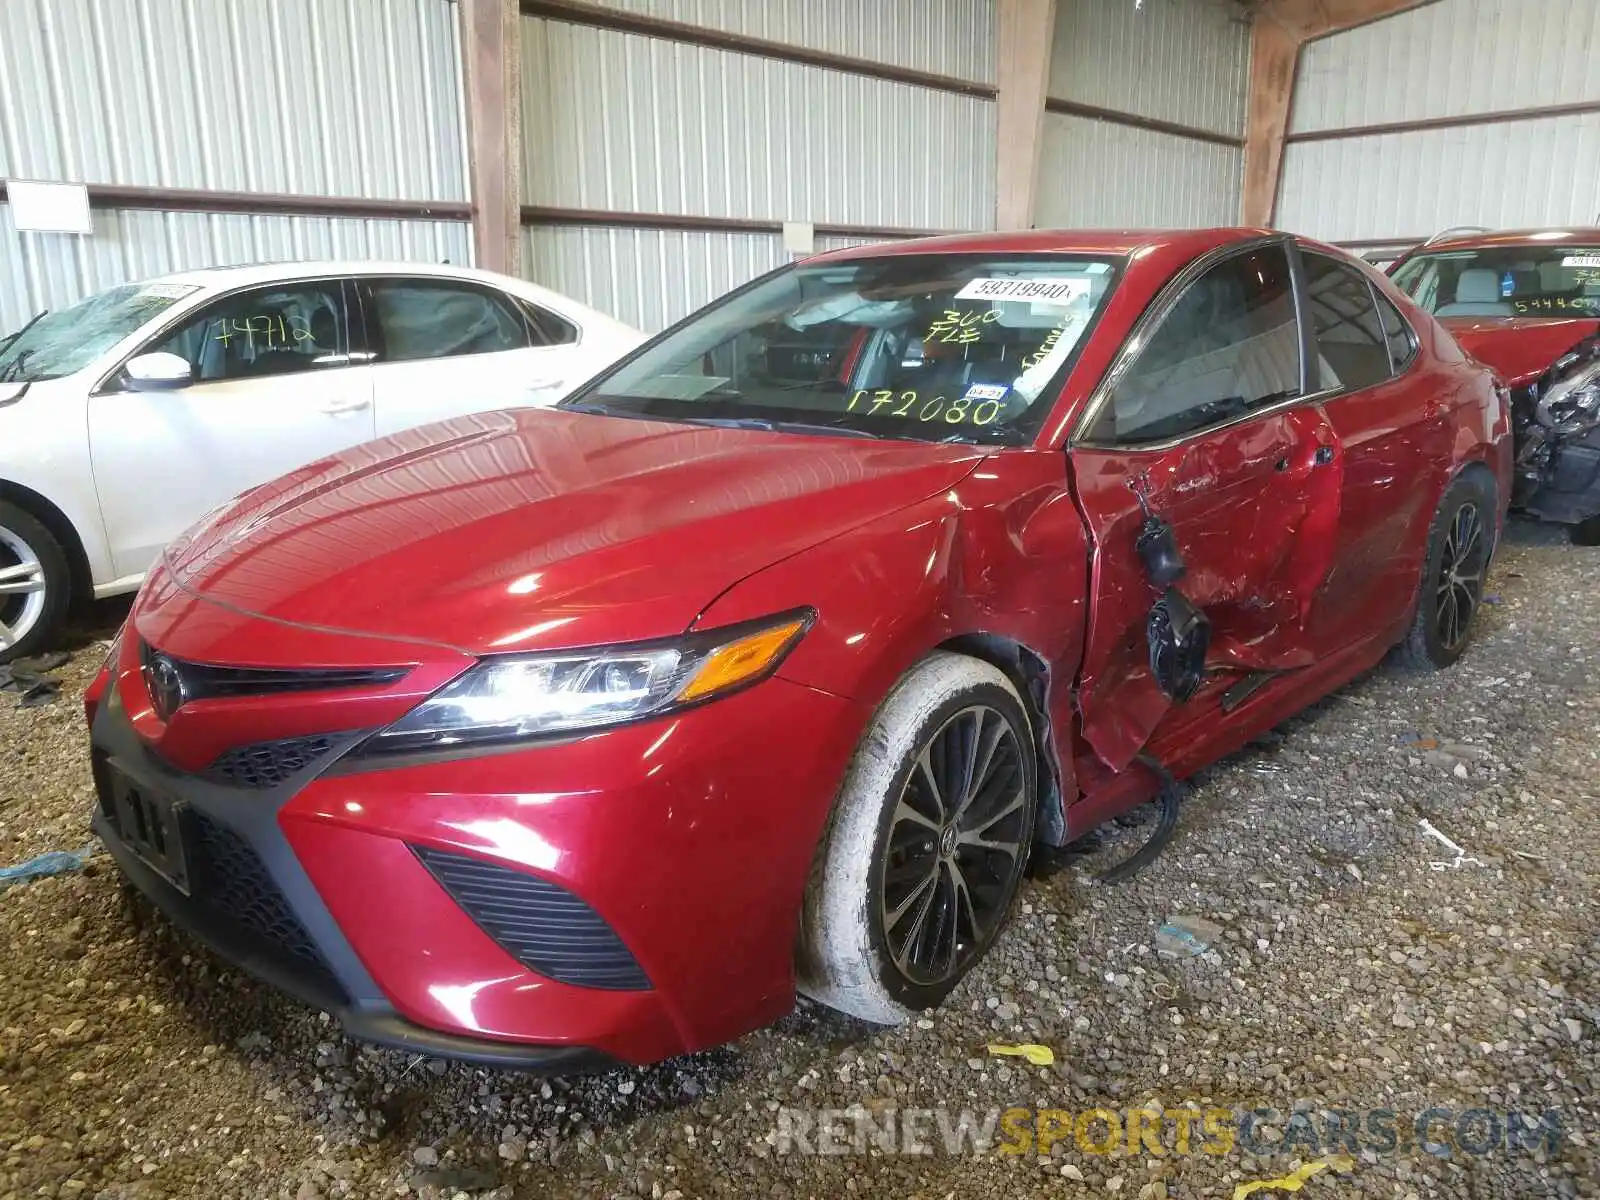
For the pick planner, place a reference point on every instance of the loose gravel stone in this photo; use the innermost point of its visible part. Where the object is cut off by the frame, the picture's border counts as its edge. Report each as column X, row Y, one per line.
column 1350, row 972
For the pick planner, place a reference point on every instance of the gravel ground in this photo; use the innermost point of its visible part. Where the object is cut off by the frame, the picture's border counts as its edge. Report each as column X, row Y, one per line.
column 1346, row 973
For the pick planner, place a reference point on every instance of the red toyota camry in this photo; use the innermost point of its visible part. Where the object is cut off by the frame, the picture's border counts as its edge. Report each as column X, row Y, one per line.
column 562, row 737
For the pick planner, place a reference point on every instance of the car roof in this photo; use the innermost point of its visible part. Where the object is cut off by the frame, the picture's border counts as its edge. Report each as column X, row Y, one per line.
column 1055, row 241
column 249, row 274
column 1585, row 235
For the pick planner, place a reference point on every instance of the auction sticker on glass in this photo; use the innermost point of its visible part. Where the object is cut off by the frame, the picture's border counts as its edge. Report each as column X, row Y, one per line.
column 1039, row 291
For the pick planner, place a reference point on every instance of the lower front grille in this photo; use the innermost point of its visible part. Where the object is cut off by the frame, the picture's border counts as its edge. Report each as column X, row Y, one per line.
column 541, row 925
column 264, row 765
column 231, row 878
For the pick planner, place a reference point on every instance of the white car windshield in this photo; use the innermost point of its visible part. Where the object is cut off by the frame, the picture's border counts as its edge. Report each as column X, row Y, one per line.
column 58, row 343
column 937, row 347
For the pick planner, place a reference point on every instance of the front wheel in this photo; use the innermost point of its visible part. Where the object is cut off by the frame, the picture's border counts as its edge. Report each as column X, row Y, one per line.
column 926, row 848
column 34, row 583
column 1453, row 574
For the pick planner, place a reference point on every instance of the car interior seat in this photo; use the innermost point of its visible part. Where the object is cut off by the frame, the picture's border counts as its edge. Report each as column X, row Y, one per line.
column 1477, row 295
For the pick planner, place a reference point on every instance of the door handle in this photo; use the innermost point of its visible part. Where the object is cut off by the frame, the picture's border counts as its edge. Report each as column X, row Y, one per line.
column 542, row 385
column 339, row 408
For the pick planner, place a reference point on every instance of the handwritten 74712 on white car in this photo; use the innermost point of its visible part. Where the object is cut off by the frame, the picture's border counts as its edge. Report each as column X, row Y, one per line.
column 128, row 416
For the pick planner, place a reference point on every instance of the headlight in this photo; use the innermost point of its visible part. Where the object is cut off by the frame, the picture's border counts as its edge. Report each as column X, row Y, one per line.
column 1572, row 403
column 513, row 697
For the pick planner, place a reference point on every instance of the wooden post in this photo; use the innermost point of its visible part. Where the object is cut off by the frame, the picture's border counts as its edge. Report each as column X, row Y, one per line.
column 1022, row 75
column 1274, row 52
column 491, row 52
column 1279, row 29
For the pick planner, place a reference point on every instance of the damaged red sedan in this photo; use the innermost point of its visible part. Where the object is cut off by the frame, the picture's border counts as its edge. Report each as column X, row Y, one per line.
column 765, row 661
column 1527, row 303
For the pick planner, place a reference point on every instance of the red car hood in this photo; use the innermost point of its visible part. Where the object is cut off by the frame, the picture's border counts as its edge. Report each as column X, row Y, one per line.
column 538, row 528
column 1519, row 349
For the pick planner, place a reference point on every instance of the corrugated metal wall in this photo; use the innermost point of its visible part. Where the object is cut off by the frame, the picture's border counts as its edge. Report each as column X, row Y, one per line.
column 1450, row 59
column 886, row 31
column 1174, row 60
column 646, row 277
column 1182, row 61
column 624, row 122
column 1099, row 175
column 316, row 97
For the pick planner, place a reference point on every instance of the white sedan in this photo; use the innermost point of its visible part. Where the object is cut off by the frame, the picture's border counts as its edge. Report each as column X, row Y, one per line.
column 128, row 416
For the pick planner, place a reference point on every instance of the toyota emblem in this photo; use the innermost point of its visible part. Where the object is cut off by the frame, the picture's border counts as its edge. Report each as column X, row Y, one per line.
column 165, row 682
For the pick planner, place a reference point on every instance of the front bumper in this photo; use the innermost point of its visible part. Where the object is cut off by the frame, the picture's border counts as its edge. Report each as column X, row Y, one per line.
column 690, row 837
column 1562, row 484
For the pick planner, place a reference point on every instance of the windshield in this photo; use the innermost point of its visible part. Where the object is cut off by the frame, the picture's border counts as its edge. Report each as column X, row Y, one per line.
column 59, row 343
column 951, row 347
column 1505, row 281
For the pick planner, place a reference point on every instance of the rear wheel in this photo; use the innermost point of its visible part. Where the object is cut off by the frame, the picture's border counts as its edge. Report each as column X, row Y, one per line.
column 34, row 583
column 925, row 852
column 1459, row 544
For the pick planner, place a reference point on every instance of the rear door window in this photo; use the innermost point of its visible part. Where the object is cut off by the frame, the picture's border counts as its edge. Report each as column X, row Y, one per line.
column 1401, row 337
column 418, row 319
column 1352, row 345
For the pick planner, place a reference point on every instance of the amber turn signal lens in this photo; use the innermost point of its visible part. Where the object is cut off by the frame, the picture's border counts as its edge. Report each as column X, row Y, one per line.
column 742, row 660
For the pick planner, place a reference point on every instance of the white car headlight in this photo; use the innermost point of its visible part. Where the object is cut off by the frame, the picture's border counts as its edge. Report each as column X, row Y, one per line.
column 515, row 697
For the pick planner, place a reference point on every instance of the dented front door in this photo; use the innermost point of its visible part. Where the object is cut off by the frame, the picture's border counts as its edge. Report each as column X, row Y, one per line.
column 1203, row 415
column 1254, row 508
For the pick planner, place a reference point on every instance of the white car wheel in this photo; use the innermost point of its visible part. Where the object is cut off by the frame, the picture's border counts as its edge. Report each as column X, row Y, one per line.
column 926, row 848
column 34, row 582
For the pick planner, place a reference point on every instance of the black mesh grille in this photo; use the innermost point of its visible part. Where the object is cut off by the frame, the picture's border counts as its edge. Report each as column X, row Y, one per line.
column 267, row 764
column 230, row 878
column 542, row 926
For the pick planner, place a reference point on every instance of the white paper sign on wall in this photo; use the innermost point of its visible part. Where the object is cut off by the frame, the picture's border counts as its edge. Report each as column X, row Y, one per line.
column 49, row 207
column 799, row 237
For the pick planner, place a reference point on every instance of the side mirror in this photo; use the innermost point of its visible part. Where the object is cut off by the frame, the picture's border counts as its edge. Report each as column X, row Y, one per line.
column 10, row 393
column 158, row 372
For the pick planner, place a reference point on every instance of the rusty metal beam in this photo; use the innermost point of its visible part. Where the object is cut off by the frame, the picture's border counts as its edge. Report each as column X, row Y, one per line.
column 492, row 54
column 1027, row 32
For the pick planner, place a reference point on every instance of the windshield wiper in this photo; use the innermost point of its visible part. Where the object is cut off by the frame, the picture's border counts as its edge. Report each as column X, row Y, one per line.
column 13, row 369
column 5, row 342
column 778, row 426
column 589, row 406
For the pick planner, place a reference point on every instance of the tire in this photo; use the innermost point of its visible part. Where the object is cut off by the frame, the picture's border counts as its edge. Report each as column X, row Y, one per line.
column 874, row 942
column 35, row 583
column 1586, row 532
column 1458, row 555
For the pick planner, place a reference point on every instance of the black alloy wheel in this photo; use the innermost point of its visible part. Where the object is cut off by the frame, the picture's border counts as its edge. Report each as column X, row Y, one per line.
column 955, row 844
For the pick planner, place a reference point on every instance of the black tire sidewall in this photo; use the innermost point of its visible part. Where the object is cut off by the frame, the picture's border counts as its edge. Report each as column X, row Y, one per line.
column 913, row 995
column 57, row 579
